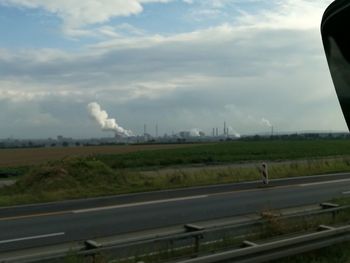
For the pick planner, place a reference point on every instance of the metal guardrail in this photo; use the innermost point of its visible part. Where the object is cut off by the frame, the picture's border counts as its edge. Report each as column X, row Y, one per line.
column 278, row 249
column 193, row 236
column 258, row 253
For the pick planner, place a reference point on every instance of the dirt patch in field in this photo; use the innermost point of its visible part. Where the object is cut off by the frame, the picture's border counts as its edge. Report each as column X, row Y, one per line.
column 24, row 157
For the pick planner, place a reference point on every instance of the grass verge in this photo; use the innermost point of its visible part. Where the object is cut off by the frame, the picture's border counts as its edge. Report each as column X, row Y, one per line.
column 74, row 178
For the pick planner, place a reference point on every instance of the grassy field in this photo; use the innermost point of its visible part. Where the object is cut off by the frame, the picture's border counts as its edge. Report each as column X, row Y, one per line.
column 34, row 156
column 99, row 174
column 230, row 152
column 131, row 156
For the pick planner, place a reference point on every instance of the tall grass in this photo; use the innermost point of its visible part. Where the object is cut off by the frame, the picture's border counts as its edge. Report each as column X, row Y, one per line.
column 184, row 177
column 88, row 177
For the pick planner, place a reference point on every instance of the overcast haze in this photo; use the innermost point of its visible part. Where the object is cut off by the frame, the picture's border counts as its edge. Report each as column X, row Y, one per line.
column 183, row 63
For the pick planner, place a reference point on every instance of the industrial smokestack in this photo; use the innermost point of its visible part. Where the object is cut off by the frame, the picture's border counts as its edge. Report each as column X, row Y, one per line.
column 224, row 128
column 106, row 124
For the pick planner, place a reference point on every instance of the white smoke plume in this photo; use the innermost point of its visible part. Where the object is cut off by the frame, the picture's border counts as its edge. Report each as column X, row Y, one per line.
column 195, row 132
column 105, row 123
column 266, row 122
column 232, row 131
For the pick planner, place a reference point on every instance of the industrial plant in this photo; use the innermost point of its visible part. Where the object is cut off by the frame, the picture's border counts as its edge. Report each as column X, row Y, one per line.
column 119, row 135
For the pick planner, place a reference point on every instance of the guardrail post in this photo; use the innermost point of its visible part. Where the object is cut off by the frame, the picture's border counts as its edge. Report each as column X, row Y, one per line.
column 324, row 227
column 330, row 206
column 91, row 244
column 197, row 238
column 197, row 244
column 247, row 243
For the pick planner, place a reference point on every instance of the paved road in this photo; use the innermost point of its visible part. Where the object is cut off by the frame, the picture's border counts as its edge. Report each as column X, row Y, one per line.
column 22, row 231
column 150, row 196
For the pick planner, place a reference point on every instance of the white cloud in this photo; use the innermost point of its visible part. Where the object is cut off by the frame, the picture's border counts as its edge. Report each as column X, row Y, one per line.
column 77, row 14
column 270, row 65
column 291, row 14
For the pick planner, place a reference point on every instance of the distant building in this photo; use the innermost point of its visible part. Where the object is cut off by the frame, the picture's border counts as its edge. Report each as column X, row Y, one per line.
column 201, row 134
column 185, row 134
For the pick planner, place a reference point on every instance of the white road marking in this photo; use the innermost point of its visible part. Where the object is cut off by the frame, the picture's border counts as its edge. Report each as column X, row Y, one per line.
column 138, row 204
column 326, row 182
column 32, row 237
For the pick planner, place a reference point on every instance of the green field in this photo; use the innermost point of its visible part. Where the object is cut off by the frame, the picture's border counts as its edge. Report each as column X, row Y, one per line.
column 106, row 174
column 230, row 152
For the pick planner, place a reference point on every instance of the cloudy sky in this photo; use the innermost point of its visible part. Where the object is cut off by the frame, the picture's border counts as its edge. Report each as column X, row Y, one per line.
column 182, row 63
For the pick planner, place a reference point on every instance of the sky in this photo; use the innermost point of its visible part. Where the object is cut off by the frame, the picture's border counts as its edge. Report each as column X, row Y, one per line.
column 182, row 64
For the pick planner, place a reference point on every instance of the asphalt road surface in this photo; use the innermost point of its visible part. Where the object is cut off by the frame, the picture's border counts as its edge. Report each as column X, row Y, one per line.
column 70, row 221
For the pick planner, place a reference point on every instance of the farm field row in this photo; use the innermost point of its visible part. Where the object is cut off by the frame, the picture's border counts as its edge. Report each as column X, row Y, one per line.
column 34, row 156
column 164, row 155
